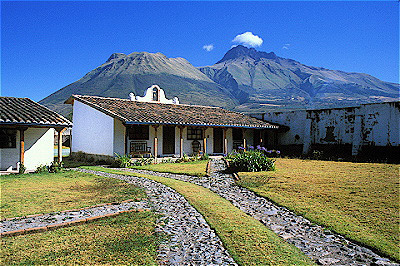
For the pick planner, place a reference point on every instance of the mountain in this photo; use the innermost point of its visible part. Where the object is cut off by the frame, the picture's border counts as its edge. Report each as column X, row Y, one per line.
column 244, row 80
column 263, row 81
column 122, row 74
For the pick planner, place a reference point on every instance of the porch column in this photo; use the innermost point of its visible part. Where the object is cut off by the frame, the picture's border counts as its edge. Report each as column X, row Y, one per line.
column 59, row 150
column 204, row 141
column 244, row 139
column 225, row 142
column 22, row 145
column 155, row 142
column 181, row 141
column 261, row 137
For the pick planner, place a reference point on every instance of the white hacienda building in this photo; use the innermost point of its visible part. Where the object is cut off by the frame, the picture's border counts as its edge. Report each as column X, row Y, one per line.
column 158, row 126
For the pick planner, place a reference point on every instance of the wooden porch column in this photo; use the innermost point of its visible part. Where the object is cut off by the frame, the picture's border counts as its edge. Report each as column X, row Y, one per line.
column 181, row 141
column 155, row 142
column 244, row 139
column 59, row 150
column 204, row 141
column 22, row 145
column 225, row 141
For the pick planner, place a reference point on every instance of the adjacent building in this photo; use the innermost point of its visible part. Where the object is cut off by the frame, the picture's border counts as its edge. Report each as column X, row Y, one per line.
column 372, row 129
column 27, row 133
column 153, row 125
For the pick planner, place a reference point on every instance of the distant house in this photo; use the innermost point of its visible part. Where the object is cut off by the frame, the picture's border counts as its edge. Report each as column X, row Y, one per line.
column 27, row 133
column 155, row 125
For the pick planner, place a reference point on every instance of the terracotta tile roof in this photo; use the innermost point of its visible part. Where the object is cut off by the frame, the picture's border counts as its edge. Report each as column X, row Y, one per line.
column 24, row 111
column 133, row 112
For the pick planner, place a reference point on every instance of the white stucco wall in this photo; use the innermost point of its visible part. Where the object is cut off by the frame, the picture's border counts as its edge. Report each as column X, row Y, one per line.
column 39, row 149
column 119, row 137
column 368, row 124
column 93, row 131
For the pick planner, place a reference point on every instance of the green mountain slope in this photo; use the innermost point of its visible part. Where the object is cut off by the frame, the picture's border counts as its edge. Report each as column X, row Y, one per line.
column 122, row 74
column 263, row 81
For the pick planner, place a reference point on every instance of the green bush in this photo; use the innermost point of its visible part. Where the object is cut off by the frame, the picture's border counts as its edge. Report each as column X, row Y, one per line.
column 250, row 161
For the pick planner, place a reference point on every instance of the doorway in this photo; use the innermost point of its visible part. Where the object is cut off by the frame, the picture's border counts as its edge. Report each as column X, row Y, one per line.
column 168, row 140
column 218, row 140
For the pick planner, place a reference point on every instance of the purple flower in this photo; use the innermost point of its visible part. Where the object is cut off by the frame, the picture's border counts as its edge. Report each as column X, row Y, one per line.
column 259, row 147
column 278, row 152
column 240, row 148
column 263, row 149
column 251, row 147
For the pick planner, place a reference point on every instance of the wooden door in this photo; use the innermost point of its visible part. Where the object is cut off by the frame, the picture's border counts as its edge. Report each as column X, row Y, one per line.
column 218, row 140
column 168, row 140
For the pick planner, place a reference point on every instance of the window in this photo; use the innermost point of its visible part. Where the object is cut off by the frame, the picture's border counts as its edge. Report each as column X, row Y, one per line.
column 155, row 95
column 194, row 133
column 237, row 134
column 139, row 132
column 8, row 138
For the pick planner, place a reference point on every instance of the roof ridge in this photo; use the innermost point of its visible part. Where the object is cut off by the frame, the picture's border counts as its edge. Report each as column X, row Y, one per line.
column 128, row 100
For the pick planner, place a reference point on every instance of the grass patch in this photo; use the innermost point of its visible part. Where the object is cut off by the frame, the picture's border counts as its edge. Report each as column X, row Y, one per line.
column 196, row 168
column 42, row 193
column 247, row 240
column 125, row 239
column 358, row 200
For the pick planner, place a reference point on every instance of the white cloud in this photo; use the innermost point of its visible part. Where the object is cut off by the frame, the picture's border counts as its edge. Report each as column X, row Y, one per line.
column 286, row 46
column 248, row 39
column 208, row 47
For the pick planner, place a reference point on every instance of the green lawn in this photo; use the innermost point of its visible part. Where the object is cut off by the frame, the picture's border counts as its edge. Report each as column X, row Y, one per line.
column 358, row 200
column 196, row 168
column 42, row 193
column 128, row 238
column 247, row 240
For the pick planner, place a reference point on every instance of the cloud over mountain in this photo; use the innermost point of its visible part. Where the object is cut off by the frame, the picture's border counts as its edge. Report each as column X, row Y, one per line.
column 248, row 39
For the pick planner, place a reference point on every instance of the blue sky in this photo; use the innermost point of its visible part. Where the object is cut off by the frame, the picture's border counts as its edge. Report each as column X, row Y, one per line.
column 48, row 45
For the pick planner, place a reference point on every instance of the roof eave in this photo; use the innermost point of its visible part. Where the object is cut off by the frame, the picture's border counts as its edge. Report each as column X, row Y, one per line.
column 200, row 125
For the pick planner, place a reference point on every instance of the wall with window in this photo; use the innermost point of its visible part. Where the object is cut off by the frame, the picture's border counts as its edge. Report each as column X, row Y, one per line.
column 354, row 127
column 39, row 149
column 10, row 148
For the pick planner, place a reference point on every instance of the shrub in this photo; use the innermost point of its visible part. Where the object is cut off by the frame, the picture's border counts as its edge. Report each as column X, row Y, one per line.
column 55, row 167
column 141, row 161
column 42, row 169
column 21, row 169
column 204, row 157
column 250, row 161
column 123, row 161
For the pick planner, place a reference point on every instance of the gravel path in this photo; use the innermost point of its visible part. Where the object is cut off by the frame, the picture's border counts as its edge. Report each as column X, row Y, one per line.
column 68, row 216
column 323, row 246
column 191, row 241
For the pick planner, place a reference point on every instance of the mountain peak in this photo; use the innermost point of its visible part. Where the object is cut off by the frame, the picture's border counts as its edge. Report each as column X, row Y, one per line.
column 116, row 55
column 240, row 50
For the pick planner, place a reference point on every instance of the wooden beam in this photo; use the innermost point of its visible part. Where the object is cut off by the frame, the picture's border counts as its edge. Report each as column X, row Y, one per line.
column 181, row 141
column 155, row 142
column 244, row 139
column 22, row 145
column 225, row 141
column 59, row 150
column 204, row 141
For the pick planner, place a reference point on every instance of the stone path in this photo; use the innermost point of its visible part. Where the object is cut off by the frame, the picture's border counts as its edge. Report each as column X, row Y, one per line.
column 323, row 246
column 191, row 240
column 68, row 216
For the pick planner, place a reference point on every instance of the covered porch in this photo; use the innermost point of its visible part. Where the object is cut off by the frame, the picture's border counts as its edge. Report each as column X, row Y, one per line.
column 163, row 140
